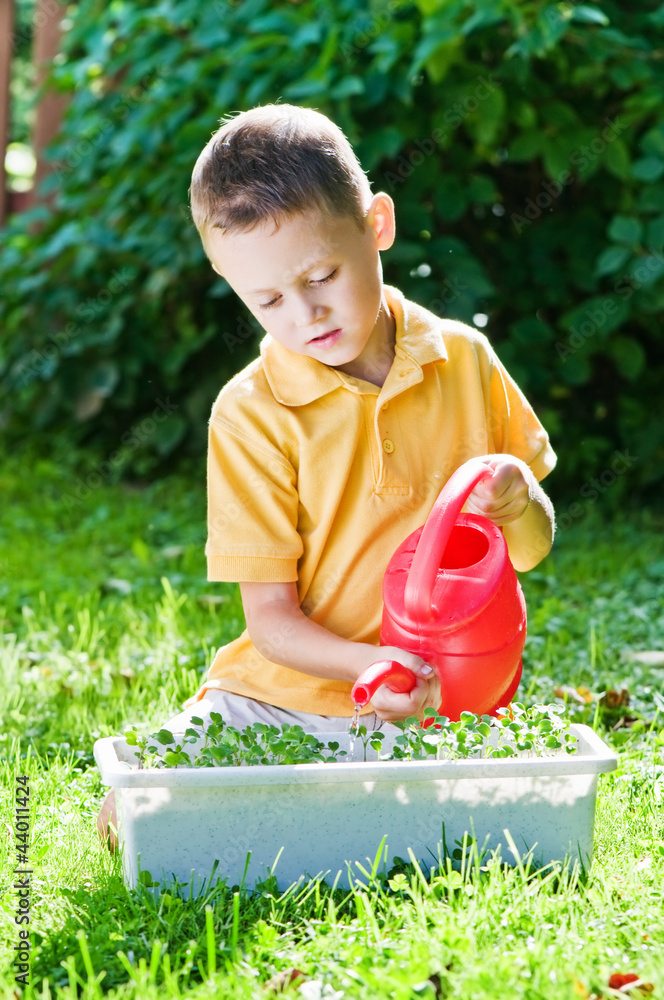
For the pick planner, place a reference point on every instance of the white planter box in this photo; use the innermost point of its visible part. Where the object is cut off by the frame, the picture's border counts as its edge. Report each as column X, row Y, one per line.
column 324, row 817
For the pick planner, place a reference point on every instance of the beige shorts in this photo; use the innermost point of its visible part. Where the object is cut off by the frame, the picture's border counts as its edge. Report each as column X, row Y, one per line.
column 239, row 712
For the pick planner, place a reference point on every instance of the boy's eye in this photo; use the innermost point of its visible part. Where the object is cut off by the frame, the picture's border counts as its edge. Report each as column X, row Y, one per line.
column 320, row 281
column 323, row 281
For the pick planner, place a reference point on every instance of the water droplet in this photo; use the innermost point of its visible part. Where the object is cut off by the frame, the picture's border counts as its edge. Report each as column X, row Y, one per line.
column 352, row 731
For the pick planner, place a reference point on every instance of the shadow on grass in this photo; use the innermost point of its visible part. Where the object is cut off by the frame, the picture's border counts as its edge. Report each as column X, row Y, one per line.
column 115, row 935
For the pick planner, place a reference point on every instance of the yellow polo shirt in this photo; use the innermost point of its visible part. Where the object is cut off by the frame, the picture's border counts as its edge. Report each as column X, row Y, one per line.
column 317, row 477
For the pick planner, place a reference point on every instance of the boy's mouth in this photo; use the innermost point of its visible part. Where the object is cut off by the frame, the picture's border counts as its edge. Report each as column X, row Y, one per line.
column 325, row 338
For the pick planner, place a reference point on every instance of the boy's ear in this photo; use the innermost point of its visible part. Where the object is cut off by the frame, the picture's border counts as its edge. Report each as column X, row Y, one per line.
column 380, row 218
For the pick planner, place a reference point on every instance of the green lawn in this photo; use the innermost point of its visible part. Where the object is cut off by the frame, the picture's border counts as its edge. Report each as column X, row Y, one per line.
column 108, row 621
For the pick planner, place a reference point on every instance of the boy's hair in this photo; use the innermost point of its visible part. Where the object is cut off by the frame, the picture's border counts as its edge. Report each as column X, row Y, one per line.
column 273, row 161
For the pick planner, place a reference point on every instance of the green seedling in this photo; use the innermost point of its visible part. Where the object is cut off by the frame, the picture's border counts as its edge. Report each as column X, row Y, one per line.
column 539, row 731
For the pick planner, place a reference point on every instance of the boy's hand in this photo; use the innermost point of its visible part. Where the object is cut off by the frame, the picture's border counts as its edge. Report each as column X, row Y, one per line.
column 392, row 707
column 506, row 495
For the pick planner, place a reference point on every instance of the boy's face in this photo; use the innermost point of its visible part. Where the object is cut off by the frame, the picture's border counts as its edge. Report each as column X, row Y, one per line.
column 314, row 284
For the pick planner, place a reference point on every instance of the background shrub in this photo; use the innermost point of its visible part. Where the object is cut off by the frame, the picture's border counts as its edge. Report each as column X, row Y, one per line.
column 524, row 148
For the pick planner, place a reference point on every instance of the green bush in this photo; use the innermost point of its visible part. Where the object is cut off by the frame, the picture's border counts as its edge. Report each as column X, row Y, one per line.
column 22, row 72
column 524, row 148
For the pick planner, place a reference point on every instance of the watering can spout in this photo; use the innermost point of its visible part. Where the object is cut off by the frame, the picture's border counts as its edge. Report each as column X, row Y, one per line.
column 389, row 672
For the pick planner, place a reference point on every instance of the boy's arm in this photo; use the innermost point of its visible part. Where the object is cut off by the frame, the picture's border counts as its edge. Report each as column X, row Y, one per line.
column 530, row 537
column 281, row 631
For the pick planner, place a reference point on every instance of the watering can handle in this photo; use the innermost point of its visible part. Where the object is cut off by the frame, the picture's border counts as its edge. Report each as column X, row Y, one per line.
column 435, row 536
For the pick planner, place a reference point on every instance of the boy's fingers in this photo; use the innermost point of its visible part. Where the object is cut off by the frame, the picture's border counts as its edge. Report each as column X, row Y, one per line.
column 503, row 509
column 494, row 488
column 510, row 509
column 508, row 480
column 391, row 706
column 504, row 493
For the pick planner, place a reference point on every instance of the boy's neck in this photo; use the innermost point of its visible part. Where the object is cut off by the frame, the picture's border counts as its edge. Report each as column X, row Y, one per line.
column 375, row 362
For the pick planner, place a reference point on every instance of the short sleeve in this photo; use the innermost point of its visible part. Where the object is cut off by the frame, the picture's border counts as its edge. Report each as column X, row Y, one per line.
column 514, row 426
column 252, row 509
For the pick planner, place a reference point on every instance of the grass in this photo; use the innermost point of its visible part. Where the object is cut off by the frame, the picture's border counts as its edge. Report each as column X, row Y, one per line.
column 108, row 621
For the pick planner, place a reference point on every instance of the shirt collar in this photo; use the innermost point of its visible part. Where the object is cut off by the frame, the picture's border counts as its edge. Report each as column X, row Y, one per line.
column 297, row 379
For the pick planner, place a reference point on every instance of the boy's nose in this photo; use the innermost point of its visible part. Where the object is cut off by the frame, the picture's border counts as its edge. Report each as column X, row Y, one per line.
column 308, row 312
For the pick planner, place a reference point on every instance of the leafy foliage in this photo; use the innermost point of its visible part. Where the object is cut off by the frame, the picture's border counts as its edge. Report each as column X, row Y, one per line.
column 226, row 746
column 22, row 72
column 537, row 731
column 523, row 145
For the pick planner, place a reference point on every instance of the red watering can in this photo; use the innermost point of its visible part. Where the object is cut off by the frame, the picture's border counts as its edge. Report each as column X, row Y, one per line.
column 451, row 595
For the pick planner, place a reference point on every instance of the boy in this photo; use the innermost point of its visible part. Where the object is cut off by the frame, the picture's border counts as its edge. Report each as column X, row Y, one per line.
column 332, row 446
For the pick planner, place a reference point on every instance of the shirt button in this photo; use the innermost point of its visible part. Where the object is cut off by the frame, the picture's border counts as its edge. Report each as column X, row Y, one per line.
column 388, row 446
column 384, row 406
